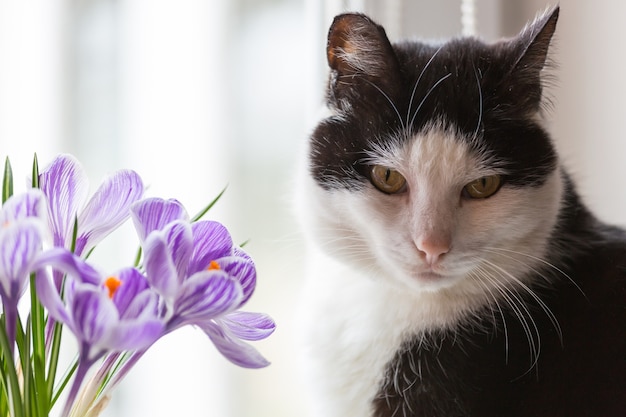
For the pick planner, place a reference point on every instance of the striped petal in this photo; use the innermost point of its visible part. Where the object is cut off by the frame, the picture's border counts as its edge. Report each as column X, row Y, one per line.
column 180, row 242
column 51, row 300
column 243, row 270
column 211, row 241
column 64, row 261
column 205, row 296
column 108, row 208
column 31, row 203
column 248, row 326
column 20, row 242
column 65, row 184
column 160, row 267
column 236, row 351
column 152, row 214
column 93, row 314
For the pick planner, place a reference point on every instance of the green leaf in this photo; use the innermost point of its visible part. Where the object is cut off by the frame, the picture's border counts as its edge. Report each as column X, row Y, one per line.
column 38, row 334
column 11, row 384
column 138, row 258
column 53, row 360
column 64, row 381
column 7, row 181
column 35, row 179
column 74, row 234
column 209, row 206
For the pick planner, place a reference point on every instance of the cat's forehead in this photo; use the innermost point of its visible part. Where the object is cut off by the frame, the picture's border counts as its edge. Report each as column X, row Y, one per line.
column 437, row 151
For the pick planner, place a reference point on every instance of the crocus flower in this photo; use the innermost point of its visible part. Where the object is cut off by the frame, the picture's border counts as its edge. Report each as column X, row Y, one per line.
column 22, row 229
column 65, row 184
column 119, row 314
column 202, row 278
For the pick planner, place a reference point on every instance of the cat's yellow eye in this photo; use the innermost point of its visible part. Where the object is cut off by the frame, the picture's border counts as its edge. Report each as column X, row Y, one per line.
column 387, row 180
column 483, row 187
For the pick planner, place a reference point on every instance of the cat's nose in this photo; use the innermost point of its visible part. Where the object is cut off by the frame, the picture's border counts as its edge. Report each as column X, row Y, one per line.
column 432, row 249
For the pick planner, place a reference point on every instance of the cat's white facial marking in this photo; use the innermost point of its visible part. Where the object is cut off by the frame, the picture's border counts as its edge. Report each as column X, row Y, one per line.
column 430, row 238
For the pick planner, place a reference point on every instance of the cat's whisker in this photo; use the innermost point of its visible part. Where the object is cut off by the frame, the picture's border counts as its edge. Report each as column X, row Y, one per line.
column 419, row 78
column 511, row 299
column 480, row 102
column 542, row 261
column 442, row 79
column 539, row 301
column 478, row 275
column 390, row 101
column 521, row 310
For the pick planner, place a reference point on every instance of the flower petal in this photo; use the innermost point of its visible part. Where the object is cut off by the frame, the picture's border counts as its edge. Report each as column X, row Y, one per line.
column 160, row 268
column 152, row 214
column 243, row 270
column 31, row 203
column 211, row 241
column 51, row 300
column 236, row 351
column 144, row 306
column 20, row 242
column 248, row 326
column 206, row 295
column 64, row 261
column 132, row 284
column 179, row 240
column 108, row 208
column 65, row 184
column 134, row 335
column 93, row 313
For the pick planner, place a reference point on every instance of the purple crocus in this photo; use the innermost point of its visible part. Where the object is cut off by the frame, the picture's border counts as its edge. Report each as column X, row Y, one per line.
column 65, row 184
column 202, row 278
column 117, row 314
column 22, row 230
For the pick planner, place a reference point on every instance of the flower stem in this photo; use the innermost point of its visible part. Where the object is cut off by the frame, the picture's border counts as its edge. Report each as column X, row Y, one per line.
column 11, row 382
column 10, row 320
column 79, row 376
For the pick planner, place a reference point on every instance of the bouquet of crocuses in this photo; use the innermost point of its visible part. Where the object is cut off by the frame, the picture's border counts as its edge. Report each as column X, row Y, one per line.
column 187, row 272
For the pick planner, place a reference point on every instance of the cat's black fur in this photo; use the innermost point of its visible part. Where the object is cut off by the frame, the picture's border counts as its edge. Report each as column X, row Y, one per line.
column 492, row 91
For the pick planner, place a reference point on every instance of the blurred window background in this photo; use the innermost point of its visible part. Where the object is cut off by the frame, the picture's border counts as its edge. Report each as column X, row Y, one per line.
column 198, row 95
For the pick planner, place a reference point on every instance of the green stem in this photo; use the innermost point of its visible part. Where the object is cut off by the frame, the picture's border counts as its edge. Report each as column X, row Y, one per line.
column 53, row 360
column 12, row 383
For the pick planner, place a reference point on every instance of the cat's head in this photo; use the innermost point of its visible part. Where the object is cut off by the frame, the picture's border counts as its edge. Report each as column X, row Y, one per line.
column 433, row 169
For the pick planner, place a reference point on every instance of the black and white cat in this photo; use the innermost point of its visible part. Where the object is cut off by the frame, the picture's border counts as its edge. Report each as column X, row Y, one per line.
column 457, row 273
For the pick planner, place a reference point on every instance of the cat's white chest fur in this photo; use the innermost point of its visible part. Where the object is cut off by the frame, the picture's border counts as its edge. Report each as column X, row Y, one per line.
column 353, row 329
column 354, row 326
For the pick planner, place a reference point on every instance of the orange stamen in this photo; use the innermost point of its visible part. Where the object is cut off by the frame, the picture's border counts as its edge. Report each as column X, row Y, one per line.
column 213, row 266
column 112, row 284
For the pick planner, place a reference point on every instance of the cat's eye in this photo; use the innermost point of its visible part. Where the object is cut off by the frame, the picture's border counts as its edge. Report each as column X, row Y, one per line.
column 387, row 180
column 482, row 187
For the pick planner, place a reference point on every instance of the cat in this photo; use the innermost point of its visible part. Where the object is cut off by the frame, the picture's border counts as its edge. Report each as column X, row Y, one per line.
column 455, row 271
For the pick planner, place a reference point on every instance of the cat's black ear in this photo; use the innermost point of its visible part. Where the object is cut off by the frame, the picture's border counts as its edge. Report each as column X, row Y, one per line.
column 359, row 54
column 530, row 49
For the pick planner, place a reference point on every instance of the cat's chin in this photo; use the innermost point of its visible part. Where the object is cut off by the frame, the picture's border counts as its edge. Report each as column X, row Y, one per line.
column 429, row 281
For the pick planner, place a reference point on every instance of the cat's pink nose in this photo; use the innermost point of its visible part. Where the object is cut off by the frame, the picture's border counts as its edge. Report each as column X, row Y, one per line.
column 432, row 249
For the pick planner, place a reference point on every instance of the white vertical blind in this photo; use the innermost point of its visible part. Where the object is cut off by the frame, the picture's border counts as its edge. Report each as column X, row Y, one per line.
column 31, row 82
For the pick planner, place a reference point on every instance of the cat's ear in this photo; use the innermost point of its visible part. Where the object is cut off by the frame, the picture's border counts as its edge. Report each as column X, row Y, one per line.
column 359, row 54
column 531, row 56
